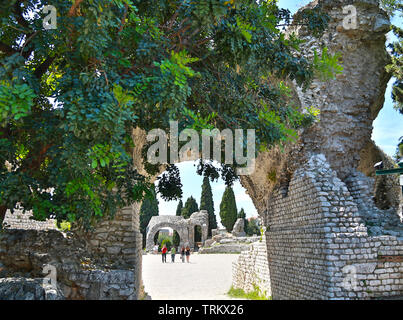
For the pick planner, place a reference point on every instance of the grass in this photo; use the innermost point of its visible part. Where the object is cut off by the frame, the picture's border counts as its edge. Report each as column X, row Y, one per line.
column 253, row 295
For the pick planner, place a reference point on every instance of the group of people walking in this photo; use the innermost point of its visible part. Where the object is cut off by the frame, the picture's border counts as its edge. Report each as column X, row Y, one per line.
column 185, row 252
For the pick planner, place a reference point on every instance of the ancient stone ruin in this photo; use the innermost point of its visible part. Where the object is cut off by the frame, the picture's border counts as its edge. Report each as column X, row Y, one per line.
column 333, row 230
column 238, row 230
column 184, row 227
column 225, row 242
column 317, row 197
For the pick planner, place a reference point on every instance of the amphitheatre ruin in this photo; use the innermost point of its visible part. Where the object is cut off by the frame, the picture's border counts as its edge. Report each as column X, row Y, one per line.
column 324, row 211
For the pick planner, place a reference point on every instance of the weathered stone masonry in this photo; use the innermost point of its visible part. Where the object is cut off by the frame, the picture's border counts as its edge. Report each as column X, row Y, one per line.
column 251, row 271
column 318, row 246
column 318, row 209
column 184, row 227
column 317, row 230
column 101, row 265
column 316, row 204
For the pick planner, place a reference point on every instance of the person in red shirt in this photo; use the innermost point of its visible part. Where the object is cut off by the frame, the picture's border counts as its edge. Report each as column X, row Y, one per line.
column 164, row 253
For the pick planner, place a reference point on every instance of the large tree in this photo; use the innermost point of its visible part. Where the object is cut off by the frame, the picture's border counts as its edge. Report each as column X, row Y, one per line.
column 190, row 207
column 228, row 210
column 70, row 96
column 207, row 203
column 148, row 209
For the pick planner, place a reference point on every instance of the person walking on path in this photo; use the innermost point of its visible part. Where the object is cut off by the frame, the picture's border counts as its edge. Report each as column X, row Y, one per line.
column 183, row 254
column 173, row 252
column 187, row 254
column 164, row 253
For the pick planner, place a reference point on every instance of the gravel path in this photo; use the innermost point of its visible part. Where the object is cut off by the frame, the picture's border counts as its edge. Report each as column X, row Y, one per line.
column 206, row 277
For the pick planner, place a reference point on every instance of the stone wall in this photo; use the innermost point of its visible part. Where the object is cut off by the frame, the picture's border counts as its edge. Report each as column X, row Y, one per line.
column 251, row 270
column 28, row 289
column 20, row 220
column 316, row 230
column 117, row 240
column 85, row 266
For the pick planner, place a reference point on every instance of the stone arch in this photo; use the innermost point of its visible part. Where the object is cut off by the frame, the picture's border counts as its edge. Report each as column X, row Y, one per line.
column 184, row 227
column 198, row 219
column 158, row 222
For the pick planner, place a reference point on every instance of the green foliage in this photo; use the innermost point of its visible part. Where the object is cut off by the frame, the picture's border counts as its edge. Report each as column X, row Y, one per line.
column 190, row 207
column 394, row 7
column 70, row 97
column 176, row 239
column 167, row 242
column 327, row 66
column 255, row 294
column 64, row 226
column 16, row 101
column 228, row 210
column 179, row 208
column 253, row 227
column 207, row 203
column 396, row 69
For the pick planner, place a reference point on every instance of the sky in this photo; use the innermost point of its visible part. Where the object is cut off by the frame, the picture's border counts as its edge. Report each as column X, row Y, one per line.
column 388, row 128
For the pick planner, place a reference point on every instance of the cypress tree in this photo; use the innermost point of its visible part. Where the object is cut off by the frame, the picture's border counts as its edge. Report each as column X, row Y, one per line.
column 149, row 208
column 228, row 210
column 191, row 206
column 207, row 203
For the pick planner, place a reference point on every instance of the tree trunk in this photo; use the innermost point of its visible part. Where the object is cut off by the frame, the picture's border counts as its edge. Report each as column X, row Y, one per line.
column 3, row 210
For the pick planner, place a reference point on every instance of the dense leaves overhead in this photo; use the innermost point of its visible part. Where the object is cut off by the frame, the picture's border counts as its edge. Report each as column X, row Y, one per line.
column 70, row 96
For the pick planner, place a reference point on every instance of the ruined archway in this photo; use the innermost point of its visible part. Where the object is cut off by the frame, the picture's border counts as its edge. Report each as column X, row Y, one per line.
column 184, row 227
column 172, row 222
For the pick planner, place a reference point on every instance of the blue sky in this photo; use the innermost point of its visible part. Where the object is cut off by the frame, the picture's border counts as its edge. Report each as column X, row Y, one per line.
column 388, row 128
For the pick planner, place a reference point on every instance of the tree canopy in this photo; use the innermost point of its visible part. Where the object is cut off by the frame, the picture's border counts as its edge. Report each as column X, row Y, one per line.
column 228, row 209
column 190, row 207
column 70, row 96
